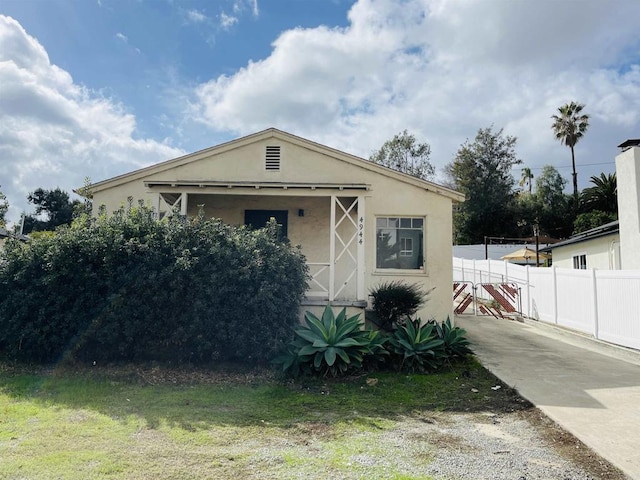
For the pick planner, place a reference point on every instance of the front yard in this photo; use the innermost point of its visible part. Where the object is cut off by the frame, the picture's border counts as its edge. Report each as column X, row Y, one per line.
column 149, row 422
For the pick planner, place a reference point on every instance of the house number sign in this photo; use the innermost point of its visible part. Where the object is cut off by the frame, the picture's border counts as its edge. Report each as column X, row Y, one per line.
column 361, row 230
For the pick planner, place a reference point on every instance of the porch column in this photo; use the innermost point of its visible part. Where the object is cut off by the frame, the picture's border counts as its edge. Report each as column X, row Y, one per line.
column 332, row 249
column 183, row 203
column 361, row 290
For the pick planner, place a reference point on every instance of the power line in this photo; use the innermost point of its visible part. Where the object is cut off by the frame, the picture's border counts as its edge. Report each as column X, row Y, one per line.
column 569, row 166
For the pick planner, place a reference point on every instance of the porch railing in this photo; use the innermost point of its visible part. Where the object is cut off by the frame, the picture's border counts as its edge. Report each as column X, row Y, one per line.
column 319, row 284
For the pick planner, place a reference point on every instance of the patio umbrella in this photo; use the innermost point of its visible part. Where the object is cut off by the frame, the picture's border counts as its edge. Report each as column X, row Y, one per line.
column 524, row 255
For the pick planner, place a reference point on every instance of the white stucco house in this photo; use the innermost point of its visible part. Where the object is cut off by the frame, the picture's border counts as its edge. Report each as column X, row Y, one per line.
column 358, row 223
column 628, row 176
column 595, row 248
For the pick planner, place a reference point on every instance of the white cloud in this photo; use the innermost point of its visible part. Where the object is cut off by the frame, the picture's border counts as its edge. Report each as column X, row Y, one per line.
column 122, row 37
column 194, row 16
column 255, row 10
column 227, row 21
column 442, row 69
column 54, row 132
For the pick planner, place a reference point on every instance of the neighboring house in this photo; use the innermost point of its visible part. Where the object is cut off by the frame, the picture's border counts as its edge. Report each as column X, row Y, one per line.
column 628, row 181
column 359, row 224
column 595, row 248
column 615, row 245
column 5, row 234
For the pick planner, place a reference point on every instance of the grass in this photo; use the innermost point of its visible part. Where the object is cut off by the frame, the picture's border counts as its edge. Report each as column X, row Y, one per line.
column 134, row 422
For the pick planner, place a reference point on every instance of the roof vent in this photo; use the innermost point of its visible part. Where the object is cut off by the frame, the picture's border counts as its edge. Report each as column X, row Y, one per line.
column 272, row 158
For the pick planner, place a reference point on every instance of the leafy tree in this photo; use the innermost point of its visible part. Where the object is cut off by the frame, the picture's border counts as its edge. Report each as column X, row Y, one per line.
column 482, row 171
column 404, row 154
column 554, row 210
column 598, row 204
column 569, row 127
column 86, row 206
column 603, row 196
column 4, row 206
column 588, row 220
column 56, row 207
column 526, row 178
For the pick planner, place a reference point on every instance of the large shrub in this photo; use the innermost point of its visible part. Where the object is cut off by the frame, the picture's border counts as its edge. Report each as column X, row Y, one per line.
column 394, row 301
column 129, row 287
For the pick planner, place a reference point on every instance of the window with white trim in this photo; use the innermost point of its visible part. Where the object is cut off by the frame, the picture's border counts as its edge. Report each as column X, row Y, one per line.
column 400, row 243
column 580, row 261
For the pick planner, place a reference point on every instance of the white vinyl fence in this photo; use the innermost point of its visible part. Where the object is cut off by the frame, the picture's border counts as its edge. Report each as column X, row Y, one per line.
column 603, row 303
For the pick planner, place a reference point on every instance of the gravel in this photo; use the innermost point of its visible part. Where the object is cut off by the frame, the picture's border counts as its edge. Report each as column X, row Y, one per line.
column 512, row 446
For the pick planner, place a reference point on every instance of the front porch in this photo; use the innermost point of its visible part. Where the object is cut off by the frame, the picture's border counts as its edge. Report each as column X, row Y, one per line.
column 327, row 221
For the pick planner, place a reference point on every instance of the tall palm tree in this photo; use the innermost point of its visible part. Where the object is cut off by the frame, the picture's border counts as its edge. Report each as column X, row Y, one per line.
column 569, row 127
column 526, row 178
column 603, row 195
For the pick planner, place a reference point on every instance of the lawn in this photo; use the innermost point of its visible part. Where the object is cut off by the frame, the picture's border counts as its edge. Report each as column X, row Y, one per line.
column 144, row 422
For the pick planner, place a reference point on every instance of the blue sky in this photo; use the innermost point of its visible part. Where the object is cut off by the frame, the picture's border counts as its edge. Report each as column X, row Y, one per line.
column 99, row 87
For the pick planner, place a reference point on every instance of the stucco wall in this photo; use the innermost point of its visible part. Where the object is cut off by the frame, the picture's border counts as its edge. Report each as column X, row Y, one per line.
column 628, row 177
column 602, row 253
column 386, row 197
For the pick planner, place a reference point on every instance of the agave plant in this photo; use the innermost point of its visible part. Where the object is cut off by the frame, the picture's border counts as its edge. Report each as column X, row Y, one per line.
column 418, row 346
column 454, row 338
column 331, row 345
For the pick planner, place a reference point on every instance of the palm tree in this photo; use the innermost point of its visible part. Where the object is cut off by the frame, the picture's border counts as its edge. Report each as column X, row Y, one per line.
column 603, row 195
column 526, row 178
column 569, row 127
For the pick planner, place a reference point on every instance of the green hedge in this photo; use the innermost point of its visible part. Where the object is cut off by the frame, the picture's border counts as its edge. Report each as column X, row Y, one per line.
column 129, row 287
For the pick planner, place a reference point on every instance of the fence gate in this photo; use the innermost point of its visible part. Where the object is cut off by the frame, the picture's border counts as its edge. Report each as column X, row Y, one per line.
column 463, row 298
column 498, row 298
column 494, row 299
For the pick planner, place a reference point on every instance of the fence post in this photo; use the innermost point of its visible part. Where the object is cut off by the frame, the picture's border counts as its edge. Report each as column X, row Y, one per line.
column 506, row 271
column 554, row 284
column 462, row 267
column 489, row 270
column 528, row 293
column 473, row 280
column 594, row 291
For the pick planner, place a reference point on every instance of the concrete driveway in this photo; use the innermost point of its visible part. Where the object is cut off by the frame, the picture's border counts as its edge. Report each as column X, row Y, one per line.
column 590, row 388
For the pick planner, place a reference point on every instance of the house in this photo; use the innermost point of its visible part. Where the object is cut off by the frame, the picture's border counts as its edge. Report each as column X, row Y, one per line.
column 628, row 178
column 359, row 224
column 595, row 248
column 615, row 245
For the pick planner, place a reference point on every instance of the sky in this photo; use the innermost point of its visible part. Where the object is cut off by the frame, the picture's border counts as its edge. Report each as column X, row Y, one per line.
column 97, row 88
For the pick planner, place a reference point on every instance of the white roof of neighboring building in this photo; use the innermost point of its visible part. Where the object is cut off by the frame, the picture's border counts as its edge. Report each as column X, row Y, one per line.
column 495, row 252
column 601, row 231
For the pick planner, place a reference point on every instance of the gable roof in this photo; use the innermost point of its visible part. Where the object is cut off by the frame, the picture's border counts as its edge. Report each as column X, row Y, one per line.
column 288, row 137
column 597, row 232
